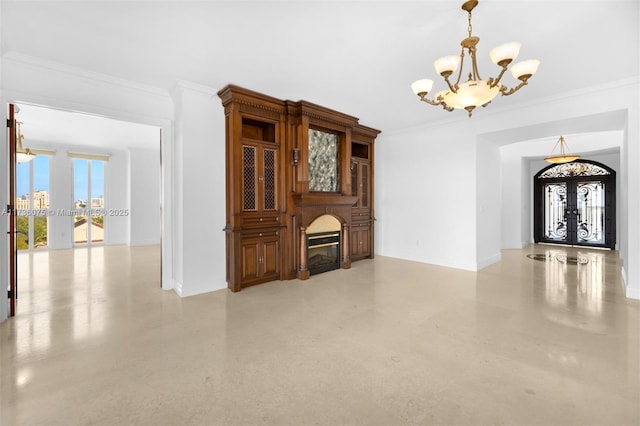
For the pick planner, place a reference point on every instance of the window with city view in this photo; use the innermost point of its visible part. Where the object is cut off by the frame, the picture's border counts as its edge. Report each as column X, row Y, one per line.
column 88, row 193
column 32, row 203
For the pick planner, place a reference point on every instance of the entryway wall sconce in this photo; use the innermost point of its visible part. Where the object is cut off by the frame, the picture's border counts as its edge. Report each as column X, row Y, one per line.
column 564, row 157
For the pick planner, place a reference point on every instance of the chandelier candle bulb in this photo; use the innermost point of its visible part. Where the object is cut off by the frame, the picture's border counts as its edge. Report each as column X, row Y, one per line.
column 475, row 91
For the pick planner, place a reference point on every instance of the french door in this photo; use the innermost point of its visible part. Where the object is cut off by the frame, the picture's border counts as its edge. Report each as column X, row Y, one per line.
column 13, row 259
column 575, row 205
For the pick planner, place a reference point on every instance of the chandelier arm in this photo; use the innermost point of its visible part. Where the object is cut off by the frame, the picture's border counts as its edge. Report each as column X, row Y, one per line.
column 474, row 64
column 436, row 103
column 494, row 82
column 453, row 88
column 506, row 91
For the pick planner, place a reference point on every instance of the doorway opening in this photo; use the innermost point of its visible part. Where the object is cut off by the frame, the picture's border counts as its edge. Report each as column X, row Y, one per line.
column 94, row 181
column 574, row 204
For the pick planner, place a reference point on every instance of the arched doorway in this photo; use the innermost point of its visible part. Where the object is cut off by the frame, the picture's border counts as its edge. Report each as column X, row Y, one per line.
column 574, row 203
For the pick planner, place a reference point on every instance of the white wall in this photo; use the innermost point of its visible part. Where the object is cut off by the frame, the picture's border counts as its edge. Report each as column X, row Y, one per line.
column 144, row 213
column 200, row 174
column 488, row 170
column 426, row 178
column 117, row 189
column 425, row 200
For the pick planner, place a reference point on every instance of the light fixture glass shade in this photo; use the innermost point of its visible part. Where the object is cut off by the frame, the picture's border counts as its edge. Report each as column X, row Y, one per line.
column 471, row 93
column 560, row 159
column 505, row 51
column 528, row 67
column 446, row 64
column 422, row 86
column 23, row 157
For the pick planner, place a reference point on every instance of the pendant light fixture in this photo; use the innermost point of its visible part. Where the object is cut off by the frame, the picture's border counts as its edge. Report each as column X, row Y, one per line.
column 564, row 156
column 475, row 91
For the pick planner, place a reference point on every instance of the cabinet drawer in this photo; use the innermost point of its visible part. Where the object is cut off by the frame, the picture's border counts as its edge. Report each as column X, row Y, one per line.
column 260, row 234
column 355, row 225
column 260, row 221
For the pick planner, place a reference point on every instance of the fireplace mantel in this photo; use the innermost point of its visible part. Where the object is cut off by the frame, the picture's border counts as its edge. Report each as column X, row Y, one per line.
column 277, row 186
column 315, row 199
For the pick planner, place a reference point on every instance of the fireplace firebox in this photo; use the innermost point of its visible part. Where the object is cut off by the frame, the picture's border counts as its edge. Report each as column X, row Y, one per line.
column 323, row 252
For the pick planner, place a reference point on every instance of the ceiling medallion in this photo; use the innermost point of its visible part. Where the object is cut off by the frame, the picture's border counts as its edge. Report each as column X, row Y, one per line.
column 475, row 91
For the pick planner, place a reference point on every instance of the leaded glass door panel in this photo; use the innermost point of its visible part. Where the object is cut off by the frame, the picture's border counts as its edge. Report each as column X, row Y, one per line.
column 555, row 206
column 590, row 198
column 575, row 204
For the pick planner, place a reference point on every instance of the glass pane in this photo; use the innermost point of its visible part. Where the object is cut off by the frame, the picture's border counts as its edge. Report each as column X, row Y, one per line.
column 590, row 212
column 97, row 184
column 22, row 232
column 32, row 202
column 555, row 203
column 575, row 168
column 97, row 229
column 365, row 185
column 248, row 178
column 80, row 229
column 354, row 180
column 81, row 200
column 269, row 179
column 23, row 184
column 323, row 161
column 80, row 183
column 40, row 231
column 40, row 201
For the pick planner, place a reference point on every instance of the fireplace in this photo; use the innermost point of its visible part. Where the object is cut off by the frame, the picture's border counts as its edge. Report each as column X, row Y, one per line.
column 323, row 252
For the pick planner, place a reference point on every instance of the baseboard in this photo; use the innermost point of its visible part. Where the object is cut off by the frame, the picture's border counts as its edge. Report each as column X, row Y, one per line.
column 631, row 292
column 177, row 287
column 489, row 261
column 147, row 242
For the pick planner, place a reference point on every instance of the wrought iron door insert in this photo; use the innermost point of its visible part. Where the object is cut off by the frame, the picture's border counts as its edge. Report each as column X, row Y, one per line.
column 575, row 204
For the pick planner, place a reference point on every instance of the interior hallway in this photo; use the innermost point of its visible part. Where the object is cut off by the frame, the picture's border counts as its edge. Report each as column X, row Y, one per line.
column 543, row 340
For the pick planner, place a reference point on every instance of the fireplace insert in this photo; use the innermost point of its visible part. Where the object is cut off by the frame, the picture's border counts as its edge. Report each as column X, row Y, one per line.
column 323, row 252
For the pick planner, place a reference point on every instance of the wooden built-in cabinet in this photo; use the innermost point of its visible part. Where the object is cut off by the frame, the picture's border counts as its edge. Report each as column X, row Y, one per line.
column 269, row 204
column 362, row 216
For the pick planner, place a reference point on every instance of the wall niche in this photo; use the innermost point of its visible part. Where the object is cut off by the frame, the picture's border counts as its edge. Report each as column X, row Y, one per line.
column 287, row 164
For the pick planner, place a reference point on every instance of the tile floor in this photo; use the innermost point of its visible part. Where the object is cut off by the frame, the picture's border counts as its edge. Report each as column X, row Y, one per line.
column 526, row 341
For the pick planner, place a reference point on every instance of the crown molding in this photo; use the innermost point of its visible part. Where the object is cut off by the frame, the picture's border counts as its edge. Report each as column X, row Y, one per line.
column 194, row 87
column 92, row 76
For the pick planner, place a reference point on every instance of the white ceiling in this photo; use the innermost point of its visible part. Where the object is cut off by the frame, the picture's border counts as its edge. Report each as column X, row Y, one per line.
column 358, row 57
column 46, row 127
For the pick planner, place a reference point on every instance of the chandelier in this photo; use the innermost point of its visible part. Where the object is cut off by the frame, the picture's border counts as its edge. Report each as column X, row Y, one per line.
column 22, row 155
column 564, row 157
column 475, row 91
